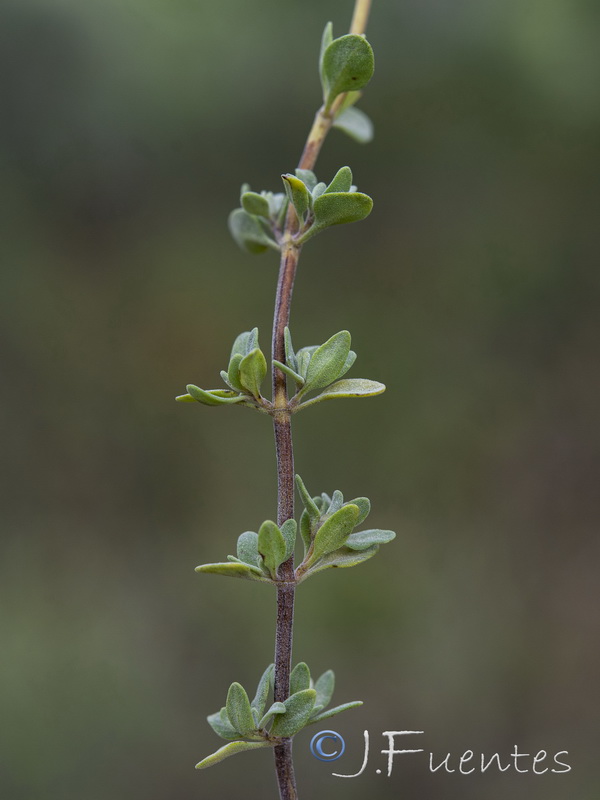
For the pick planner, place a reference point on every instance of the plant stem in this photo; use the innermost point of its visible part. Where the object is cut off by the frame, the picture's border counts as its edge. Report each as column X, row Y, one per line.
column 282, row 424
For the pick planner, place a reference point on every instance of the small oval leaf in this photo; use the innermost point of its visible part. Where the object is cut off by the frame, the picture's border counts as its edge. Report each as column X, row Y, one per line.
column 347, row 65
column 298, row 707
column 229, row 750
column 334, row 531
column 365, row 539
column 238, row 710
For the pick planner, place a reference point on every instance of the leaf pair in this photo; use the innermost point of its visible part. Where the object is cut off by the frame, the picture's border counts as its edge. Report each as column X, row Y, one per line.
column 319, row 205
column 319, row 367
column 327, row 525
column 259, row 555
column 245, row 374
column 251, row 725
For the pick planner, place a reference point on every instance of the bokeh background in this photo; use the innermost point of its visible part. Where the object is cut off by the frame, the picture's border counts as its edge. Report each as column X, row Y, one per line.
column 472, row 291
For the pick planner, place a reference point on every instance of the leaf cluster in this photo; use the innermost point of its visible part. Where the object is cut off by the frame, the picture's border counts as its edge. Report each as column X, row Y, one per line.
column 254, row 724
column 317, row 368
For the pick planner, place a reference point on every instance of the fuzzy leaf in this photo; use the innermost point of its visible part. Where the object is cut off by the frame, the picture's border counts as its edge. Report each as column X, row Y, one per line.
column 364, row 505
column 247, row 548
column 365, row 539
column 308, row 177
column 290, row 355
column 298, row 195
column 185, row 398
column 222, row 727
column 233, row 569
column 229, row 750
column 309, row 503
column 341, row 182
column 262, row 690
column 349, row 387
column 334, row 531
column 249, row 233
column 300, row 678
column 212, row 397
column 356, row 124
column 339, row 208
column 289, row 530
column 305, row 530
column 238, row 709
column 255, row 204
column 324, row 688
column 244, row 343
column 347, row 65
column 343, row 558
column 271, row 546
column 318, row 190
column 253, row 369
column 327, row 361
column 233, row 372
column 337, row 501
column 298, row 708
column 336, row 710
column 276, row 708
column 304, row 356
column 326, row 40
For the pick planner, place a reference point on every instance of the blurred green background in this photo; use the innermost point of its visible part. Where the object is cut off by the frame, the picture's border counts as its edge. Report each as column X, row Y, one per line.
column 472, row 291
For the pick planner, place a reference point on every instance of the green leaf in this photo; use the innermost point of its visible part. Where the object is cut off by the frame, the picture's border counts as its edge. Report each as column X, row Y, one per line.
column 326, row 40
column 327, row 361
column 337, row 710
column 364, row 505
column 305, row 530
column 300, row 678
column 276, row 708
column 347, row 65
column 271, row 546
column 239, row 710
column 298, row 195
column 341, row 182
column 324, row 688
column 229, row 750
column 289, row 530
column 233, row 569
column 233, row 372
column 350, row 387
column 290, row 356
column 364, row 539
column 213, row 397
column 222, row 727
column 318, row 190
column 337, row 501
column 185, row 398
column 304, row 356
column 309, row 503
column 308, row 177
column 334, row 531
column 249, row 233
column 244, row 343
column 356, row 124
column 253, row 369
column 256, row 204
column 289, row 372
column 247, row 548
column 343, row 558
column 338, row 208
column 298, row 708
column 262, row 690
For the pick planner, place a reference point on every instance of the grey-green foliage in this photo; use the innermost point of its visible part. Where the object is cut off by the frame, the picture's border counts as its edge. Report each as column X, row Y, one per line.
column 244, row 376
column 258, row 555
column 258, row 224
column 253, row 724
column 328, row 536
column 346, row 64
column 320, row 367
